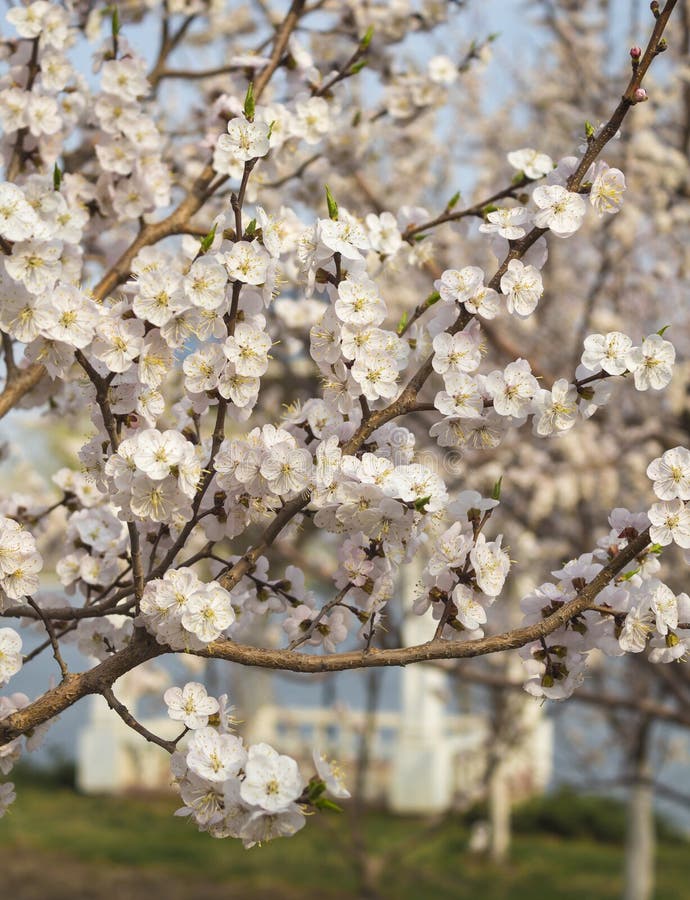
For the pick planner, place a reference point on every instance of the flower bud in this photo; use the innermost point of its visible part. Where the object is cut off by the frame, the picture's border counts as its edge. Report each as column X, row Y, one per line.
column 635, row 52
column 640, row 95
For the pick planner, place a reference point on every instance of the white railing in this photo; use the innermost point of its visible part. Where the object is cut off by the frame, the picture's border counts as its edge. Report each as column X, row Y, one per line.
column 113, row 759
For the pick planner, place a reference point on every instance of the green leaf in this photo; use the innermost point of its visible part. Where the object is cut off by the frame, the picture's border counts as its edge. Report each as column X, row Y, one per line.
column 421, row 502
column 489, row 208
column 249, row 104
column 366, row 40
column 358, row 66
column 206, row 242
column 57, row 177
column 628, row 575
column 453, row 202
column 590, row 130
column 496, row 492
column 661, row 331
column 433, row 297
column 315, row 788
column 325, row 803
column 251, row 228
column 402, row 323
column 115, row 21
column 332, row 205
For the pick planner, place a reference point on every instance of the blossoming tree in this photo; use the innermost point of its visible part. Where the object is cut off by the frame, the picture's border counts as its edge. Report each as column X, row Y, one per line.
column 170, row 274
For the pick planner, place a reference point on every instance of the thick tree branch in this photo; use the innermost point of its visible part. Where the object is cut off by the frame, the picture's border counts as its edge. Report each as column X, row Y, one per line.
column 18, row 385
column 143, row 647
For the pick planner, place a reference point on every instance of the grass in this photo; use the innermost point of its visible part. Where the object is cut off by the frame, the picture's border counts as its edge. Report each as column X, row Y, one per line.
column 140, row 834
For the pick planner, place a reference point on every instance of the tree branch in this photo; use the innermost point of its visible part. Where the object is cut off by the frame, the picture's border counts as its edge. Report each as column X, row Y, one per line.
column 134, row 724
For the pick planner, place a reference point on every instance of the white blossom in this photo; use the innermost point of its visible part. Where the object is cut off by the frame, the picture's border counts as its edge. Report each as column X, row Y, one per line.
column 606, row 193
column 671, row 474
column 10, row 654
column 523, row 287
column 331, row 774
column 272, row 782
column 376, row 375
column 555, row 410
column 469, row 611
column 513, row 389
column 560, row 210
column 457, row 352
column 7, row 797
column 491, row 565
column 18, row 221
column 459, row 285
column 531, row 162
column 607, row 352
column 384, row 234
column 359, row 303
column 670, row 523
column 508, row 223
column 190, row 705
column 208, row 612
column 652, row 363
column 247, row 349
column 247, row 262
column 245, row 140
column 215, row 756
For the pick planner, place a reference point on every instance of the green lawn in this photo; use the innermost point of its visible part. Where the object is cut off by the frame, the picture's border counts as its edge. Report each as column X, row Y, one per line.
column 88, row 836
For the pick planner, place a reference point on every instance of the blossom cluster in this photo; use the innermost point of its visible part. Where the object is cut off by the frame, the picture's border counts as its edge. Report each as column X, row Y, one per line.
column 465, row 573
column 183, row 612
column 670, row 517
column 51, row 104
column 251, row 792
column 129, row 147
column 637, row 611
column 100, row 540
column 651, row 364
column 154, row 475
column 478, row 409
column 20, row 561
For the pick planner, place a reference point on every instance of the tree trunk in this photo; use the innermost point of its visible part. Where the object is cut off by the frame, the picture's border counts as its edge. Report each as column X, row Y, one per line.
column 640, row 837
column 499, row 814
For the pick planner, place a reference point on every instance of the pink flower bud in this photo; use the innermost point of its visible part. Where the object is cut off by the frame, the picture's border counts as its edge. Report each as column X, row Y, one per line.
column 635, row 52
column 640, row 95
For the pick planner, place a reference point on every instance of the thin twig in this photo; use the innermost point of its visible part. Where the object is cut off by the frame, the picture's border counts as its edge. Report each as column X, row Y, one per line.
column 134, row 724
column 64, row 671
